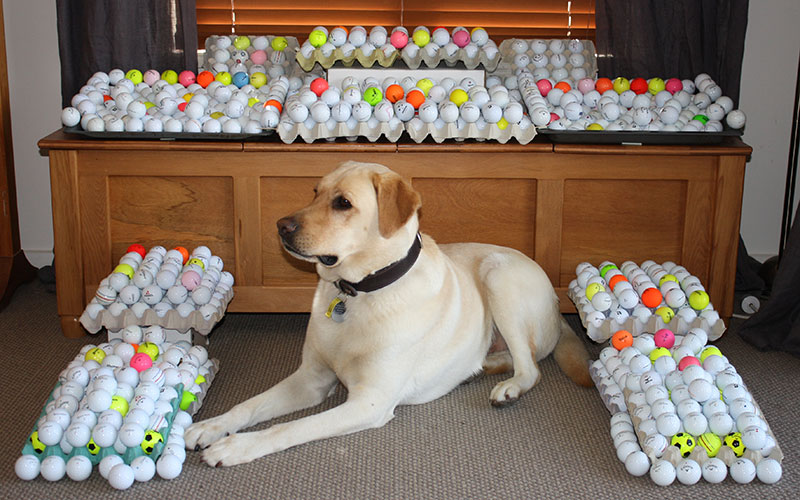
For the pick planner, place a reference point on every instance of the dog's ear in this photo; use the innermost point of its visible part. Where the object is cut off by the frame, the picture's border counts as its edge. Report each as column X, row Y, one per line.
column 397, row 202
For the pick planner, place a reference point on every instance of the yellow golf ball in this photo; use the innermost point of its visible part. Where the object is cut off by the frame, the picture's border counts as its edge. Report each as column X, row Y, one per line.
column 425, row 85
column 125, row 269
column 667, row 277
column 317, row 38
column 594, row 126
column 709, row 351
column 150, row 349
column 658, row 352
column 698, row 300
column 656, row 85
column 593, row 288
column 666, row 313
column 120, row 404
column 421, row 38
column 135, row 76
column 502, row 124
column 241, row 42
column 279, row 43
column 95, row 354
column 170, row 76
column 224, row 77
column 459, row 96
column 621, row 84
column 258, row 79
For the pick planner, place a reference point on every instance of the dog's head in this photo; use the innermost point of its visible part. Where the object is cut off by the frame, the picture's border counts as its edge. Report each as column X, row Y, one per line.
column 363, row 217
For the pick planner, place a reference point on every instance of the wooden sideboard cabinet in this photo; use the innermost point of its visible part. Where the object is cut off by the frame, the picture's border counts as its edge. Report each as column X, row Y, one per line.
column 560, row 204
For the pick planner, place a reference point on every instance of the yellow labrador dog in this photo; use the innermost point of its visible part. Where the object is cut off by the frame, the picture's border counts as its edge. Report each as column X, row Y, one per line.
column 396, row 319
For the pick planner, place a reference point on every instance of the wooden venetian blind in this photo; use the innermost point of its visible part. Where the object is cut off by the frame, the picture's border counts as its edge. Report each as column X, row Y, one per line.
column 501, row 18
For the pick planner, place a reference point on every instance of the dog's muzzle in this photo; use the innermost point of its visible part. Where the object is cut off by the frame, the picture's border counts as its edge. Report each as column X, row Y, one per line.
column 288, row 229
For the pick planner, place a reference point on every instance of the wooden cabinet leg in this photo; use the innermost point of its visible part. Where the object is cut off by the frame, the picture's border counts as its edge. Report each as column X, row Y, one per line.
column 71, row 327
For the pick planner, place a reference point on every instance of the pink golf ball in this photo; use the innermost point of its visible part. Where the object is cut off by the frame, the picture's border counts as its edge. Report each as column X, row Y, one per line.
column 687, row 361
column 673, row 85
column 186, row 78
column 151, row 76
column 461, row 38
column 585, row 85
column 191, row 280
column 664, row 338
column 258, row 57
column 544, row 86
column 141, row 362
column 399, row 39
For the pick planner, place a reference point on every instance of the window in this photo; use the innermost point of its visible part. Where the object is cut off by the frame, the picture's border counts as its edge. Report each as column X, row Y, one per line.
column 501, row 18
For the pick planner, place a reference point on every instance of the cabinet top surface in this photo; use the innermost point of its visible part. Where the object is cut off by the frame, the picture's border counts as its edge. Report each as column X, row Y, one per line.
column 60, row 140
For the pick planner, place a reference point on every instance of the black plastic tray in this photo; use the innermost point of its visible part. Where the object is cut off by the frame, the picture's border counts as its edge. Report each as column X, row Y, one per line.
column 636, row 137
column 169, row 136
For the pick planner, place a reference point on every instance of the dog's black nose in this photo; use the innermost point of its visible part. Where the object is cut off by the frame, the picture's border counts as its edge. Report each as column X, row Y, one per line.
column 287, row 226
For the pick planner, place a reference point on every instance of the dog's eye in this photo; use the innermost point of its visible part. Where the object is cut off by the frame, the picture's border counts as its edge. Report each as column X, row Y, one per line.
column 341, row 203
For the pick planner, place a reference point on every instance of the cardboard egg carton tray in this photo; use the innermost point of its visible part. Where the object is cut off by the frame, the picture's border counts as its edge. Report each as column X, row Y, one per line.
column 380, row 58
column 507, row 67
column 289, row 131
column 171, row 320
column 471, row 131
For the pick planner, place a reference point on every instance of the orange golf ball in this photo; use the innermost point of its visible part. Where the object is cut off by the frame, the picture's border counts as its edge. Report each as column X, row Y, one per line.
column 622, row 339
column 616, row 279
column 184, row 253
column 394, row 93
column 204, row 78
column 651, row 297
column 415, row 98
column 564, row 86
column 603, row 84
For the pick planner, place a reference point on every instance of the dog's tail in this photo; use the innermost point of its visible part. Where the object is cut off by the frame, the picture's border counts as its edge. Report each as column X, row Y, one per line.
column 571, row 355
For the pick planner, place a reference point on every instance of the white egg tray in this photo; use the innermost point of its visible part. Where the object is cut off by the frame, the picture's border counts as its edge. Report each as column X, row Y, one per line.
column 481, row 59
column 171, row 320
column 491, row 132
column 365, row 60
column 507, row 66
column 603, row 331
column 620, row 401
column 289, row 52
column 289, row 131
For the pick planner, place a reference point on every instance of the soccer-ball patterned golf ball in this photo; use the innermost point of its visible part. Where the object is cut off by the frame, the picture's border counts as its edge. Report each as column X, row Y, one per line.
column 684, row 442
column 734, row 442
column 151, row 438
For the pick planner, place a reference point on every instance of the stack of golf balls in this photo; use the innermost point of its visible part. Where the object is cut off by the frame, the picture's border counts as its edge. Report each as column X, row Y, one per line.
column 555, row 59
column 134, row 102
column 411, row 45
column 653, row 105
column 271, row 55
column 607, row 295
column 409, row 104
column 680, row 410
column 122, row 406
column 164, row 280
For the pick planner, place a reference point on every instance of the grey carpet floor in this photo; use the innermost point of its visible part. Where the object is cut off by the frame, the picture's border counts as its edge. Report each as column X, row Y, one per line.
column 554, row 443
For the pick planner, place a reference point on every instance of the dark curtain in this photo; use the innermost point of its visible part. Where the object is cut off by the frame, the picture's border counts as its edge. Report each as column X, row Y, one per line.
column 675, row 38
column 776, row 326
column 100, row 35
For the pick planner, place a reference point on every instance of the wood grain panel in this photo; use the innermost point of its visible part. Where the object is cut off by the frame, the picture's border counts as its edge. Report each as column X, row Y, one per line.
column 618, row 220
column 66, row 233
column 171, row 211
column 280, row 196
column 498, row 211
column 94, row 227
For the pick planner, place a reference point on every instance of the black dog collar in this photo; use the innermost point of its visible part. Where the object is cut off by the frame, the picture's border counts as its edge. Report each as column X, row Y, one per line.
column 383, row 277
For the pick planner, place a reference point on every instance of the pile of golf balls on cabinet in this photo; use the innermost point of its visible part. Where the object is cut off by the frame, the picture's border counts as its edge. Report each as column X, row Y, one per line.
column 379, row 45
column 681, row 411
column 556, row 59
column 174, row 288
column 420, row 107
column 122, row 406
column 248, row 54
column 177, row 103
column 641, row 298
column 654, row 105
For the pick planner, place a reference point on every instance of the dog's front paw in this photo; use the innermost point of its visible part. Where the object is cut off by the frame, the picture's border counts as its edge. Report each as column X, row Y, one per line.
column 509, row 391
column 202, row 434
column 233, row 450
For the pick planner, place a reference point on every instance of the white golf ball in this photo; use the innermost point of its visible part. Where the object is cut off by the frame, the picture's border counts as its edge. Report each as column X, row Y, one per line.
column 27, row 467
column 688, row 471
column 143, row 468
column 121, row 476
column 714, row 470
column 769, row 471
column 79, row 468
column 637, row 463
column 743, row 470
column 53, row 468
column 169, row 466
column 662, row 473
column 736, row 119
